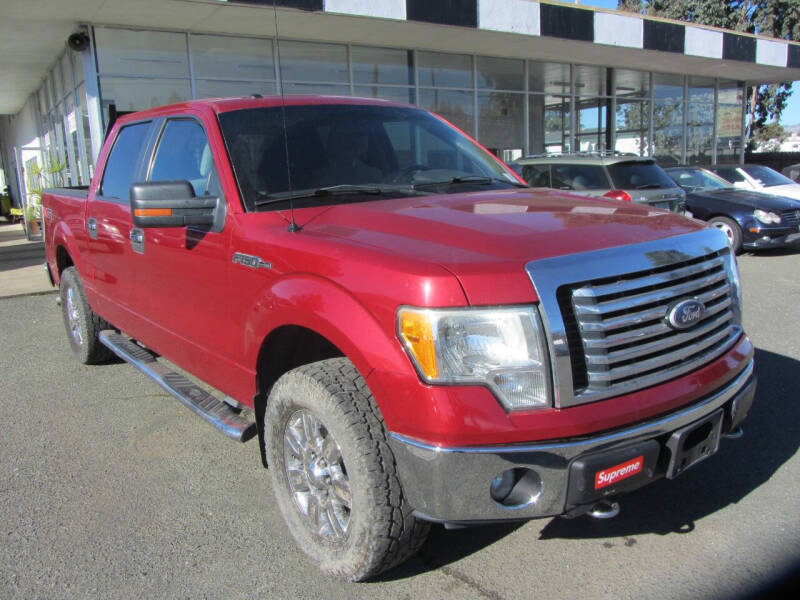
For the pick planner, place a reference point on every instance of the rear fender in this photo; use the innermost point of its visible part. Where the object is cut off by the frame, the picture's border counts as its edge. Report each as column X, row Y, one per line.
column 63, row 236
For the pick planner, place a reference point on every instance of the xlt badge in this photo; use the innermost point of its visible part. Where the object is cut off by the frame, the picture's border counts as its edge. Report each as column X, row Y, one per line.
column 248, row 260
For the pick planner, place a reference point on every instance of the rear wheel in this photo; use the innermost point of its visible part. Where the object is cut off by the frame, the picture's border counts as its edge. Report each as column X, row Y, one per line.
column 83, row 325
column 731, row 230
column 334, row 474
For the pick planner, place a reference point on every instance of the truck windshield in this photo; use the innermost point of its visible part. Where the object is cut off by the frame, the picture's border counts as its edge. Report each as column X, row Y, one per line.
column 395, row 150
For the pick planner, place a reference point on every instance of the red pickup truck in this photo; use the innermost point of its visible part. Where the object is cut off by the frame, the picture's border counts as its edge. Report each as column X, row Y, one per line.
column 413, row 334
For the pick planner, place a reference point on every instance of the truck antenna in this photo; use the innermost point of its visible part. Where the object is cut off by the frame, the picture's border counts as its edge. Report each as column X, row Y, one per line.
column 293, row 226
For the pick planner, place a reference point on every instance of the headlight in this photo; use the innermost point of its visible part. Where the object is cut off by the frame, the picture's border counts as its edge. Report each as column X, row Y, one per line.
column 736, row 283
column 501, row 348
column 766, row 217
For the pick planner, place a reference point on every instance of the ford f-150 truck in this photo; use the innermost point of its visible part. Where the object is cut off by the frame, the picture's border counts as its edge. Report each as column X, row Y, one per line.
column 413, row 335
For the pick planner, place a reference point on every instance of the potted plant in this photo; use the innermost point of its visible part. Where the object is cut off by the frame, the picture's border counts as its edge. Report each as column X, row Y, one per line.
column 39, row 179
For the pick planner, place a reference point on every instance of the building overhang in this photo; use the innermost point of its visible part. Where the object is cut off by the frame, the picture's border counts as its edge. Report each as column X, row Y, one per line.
column 33, row 33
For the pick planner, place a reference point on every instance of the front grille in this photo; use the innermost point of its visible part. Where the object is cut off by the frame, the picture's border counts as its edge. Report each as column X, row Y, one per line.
column 620, row 333
column 791, row 217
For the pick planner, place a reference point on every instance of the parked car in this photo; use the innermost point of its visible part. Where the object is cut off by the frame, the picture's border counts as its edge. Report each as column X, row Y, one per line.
column 621, row 177
column 792, row 172
column 417, row 336
column 758, row 178
column 751, row 220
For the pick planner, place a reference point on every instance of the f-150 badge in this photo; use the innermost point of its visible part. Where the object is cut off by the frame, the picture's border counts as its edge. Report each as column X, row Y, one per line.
column 248, row 260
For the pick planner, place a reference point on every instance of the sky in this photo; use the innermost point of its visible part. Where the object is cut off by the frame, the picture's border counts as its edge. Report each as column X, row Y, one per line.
column 791, row 114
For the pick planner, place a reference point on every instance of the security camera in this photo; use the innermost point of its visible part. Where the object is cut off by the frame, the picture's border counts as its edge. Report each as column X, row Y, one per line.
column 78, row 41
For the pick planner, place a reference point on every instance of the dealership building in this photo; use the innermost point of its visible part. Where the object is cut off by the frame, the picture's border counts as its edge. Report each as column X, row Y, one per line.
column 522, row 77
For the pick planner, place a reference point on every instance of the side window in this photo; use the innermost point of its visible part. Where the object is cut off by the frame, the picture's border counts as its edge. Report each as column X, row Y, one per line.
column 536, row 175
column 123, row 160
column 184, row 153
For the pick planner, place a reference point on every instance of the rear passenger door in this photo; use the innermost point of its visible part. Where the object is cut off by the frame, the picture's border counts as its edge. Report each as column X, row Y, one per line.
column 182, row 271
column 109, row 226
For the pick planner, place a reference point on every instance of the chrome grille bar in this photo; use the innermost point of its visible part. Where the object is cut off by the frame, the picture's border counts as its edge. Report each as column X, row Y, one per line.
column 605, row 313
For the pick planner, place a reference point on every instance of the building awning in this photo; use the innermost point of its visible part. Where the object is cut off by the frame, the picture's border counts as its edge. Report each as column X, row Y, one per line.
column 31, row 37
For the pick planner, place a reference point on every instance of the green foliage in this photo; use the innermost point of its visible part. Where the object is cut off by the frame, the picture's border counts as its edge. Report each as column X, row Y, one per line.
column 770, row 137
column 772, row 18
column 38, row 179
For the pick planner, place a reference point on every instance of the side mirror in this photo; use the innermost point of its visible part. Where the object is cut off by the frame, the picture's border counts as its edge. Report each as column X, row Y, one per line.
column 173, row 204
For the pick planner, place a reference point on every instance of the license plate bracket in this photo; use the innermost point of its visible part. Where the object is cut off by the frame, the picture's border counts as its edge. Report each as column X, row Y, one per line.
column 694, row 443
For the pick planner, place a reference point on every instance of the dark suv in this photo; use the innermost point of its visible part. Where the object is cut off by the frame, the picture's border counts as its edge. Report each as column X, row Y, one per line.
column 621, row 177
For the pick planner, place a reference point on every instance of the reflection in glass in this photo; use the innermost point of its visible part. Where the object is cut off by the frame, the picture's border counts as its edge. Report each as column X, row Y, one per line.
column 500, row 73
column 382, row 65
column 632, row 125
column 219, row 57
column 550, row 123
column 455, row 106
column 592, row 120
column 668, row 118
column 550, row 78
column 211, row 88
column 729, row 120
column 395, row 94
column 311, row 61
column 445, row 70
column 500, row 123
column 140, row 93
column 128, row 52
column 590, row 81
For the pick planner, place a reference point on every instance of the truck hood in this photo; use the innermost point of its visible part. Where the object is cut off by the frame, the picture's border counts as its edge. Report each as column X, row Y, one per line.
column 486, row 238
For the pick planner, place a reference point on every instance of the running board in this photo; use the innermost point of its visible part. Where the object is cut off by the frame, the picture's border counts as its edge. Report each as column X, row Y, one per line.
column 217, row 413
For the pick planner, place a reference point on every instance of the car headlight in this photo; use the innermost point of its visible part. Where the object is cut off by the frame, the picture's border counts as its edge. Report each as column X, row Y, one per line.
column 766, row 217
column 736, row 282
column 502, row 348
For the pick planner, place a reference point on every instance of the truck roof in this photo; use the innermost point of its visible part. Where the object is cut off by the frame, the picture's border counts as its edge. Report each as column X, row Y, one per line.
column 222, row 105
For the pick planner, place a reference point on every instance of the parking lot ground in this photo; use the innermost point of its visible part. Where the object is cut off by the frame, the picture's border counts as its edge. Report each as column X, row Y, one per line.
column 111, row 489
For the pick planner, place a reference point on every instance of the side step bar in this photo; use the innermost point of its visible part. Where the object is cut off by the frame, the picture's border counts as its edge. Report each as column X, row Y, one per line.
column 217, row 413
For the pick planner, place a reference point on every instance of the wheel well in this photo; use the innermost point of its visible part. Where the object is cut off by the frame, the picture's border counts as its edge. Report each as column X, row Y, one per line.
column 284, row 349
column 63, row 259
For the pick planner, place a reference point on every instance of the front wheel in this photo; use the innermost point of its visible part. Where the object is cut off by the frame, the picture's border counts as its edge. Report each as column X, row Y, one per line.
column 82, row 324
column 731, row 230
column 334, row 474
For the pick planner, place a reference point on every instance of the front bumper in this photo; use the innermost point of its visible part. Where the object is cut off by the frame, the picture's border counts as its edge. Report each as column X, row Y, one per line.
column 770, row 237
column 452, row 485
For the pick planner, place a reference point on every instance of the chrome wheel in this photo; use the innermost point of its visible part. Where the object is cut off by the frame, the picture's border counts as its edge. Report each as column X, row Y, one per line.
column 727, row 230
column 73, row 317
column 317, row 475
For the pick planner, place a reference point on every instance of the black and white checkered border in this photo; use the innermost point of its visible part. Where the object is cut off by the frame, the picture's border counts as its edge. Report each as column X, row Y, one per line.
column 566, row 22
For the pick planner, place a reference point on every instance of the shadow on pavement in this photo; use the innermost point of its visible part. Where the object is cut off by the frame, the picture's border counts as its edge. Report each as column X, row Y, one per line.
column 772, row 437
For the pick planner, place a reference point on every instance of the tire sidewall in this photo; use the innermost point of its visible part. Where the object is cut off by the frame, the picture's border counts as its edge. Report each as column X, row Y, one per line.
column 734, row 227
column 349, row 558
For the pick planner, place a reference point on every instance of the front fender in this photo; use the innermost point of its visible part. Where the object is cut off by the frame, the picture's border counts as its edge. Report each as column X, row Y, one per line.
column 331, row 311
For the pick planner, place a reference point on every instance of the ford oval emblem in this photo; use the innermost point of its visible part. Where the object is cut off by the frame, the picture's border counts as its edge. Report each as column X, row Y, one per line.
column 685, row 313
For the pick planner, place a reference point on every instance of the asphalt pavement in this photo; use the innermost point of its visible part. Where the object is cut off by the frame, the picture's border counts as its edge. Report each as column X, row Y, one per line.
column 109, row 488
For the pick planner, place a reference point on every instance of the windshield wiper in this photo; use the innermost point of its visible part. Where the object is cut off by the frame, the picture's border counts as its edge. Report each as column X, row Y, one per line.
column 649, row 186
column 337, row 190
column 474, row 179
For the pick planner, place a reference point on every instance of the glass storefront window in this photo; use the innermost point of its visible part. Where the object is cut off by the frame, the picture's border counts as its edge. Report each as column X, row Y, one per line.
column 395, row 94
column 445, row 70
column 632, row 123
column 317, row 88
column 77, row 65
column 700, row 120
column 382, row 65
column 500, row 122
column 550, row 122
column 313, row 62
column 631, row 84
column 212, row 88
column 66, row 72
column 591, row 81
column 138, row 93
column 729, row 120
column 500, row 73
column 592, row 124
column 87, row 135
column 143, row 53
column 550, row 78
column 219, row 57
column 668, row 118
column 455, row 106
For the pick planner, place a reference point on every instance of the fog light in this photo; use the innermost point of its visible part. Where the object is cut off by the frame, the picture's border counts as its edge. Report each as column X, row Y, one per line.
column 516, row 488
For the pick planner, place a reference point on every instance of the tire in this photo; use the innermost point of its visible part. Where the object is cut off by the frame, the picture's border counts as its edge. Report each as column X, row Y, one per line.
column 366, row 525
column 731, row 229
column 82, row 324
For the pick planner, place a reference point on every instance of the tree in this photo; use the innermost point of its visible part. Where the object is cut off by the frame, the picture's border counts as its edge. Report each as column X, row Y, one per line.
column 773, row 18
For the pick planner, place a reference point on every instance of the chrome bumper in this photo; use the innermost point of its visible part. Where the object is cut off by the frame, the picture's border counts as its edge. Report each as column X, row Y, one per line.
column 452, row 485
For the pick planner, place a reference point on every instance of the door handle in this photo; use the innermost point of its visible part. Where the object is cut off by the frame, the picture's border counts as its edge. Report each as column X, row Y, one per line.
column 91, row 227
column 137, row 240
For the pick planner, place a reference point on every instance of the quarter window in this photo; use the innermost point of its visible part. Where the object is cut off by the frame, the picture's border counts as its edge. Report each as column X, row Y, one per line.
column 123, row 161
